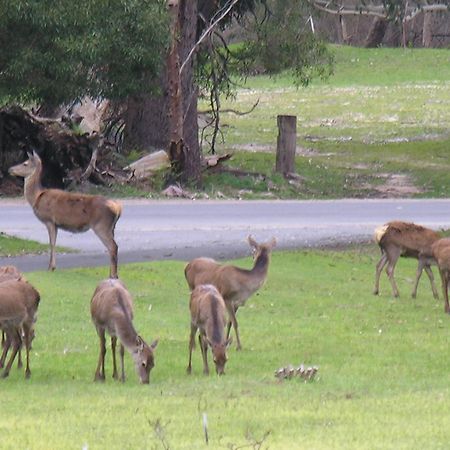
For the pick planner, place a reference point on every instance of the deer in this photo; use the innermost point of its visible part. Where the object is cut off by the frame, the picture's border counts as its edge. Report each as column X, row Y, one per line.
column 70, row 211
column 10, row 273
column 405, row 239
column 441, row 252
column 19, row 302
column 208, row 315
column 235, row 284
column 112, row 311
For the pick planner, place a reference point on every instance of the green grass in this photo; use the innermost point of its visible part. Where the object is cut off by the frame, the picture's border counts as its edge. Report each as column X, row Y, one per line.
column 383, row 379
column 12, row 246
column 384, row 109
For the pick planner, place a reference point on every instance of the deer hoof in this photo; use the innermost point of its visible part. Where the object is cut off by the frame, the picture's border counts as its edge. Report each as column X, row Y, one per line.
column 27, row 375
column 99, row 377
column 5, row 374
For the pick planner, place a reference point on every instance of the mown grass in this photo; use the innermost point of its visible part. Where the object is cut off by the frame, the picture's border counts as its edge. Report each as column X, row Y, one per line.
column 383, row 379
column 13, row 246
column 386, row 109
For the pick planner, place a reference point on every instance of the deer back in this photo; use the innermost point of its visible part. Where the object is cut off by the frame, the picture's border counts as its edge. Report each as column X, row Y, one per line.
column 74, row 211
column 111, row 304
column 10, row 273
column 409, row 236
column 19, row 301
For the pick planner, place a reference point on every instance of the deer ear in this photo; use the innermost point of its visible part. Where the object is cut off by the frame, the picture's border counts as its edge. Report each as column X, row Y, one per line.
column 251, row 241
column 30, row 155
column 154, row 344
column 35, row 155
column 139, row 343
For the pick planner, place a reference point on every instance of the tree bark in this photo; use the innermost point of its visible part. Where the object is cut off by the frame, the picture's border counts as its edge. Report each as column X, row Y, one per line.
column 427, row 30
column 376, row 33
column 169, row 120
column 286, row 144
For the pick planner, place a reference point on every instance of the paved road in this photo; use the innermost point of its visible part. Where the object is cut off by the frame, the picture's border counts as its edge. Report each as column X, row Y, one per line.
column 154, row 230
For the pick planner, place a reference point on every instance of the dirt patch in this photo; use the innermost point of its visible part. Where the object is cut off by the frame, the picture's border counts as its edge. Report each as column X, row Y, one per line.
column 395, row 185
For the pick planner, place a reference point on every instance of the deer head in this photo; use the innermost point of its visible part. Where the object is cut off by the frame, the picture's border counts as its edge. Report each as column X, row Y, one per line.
column 219, row 352
column 28, row 167
column 144, row 359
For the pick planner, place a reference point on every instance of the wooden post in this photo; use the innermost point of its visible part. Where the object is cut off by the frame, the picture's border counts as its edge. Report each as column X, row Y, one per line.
column 286, row 144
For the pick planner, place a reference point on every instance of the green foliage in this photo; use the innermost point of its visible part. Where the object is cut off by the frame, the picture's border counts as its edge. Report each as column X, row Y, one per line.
column 284, row 41
column 381, row 360
column 53, row 52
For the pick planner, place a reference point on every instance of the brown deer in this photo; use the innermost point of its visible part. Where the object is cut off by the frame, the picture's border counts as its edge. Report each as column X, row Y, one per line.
column 19, row 302
column 69, row 211
column 397, row 239
column 10, row 273
column 235, row 285
column 112, row 311
column 208, row 315
column 441, row 252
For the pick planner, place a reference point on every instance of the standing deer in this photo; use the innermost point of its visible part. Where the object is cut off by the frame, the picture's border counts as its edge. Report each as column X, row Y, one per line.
column 441, row 252
column 112, row 311
column 235, row 285
column 409, row 240
column 69, row 211
column 19, row 302
column 208, row 315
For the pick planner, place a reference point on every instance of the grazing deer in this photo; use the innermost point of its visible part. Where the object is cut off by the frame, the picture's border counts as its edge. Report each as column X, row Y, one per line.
column 235, row 285
column 18, row 307
column 112, row 311
column 69, row 211
column 441, row 252
column 208, row 315
column 409, row 240
column 10, row 273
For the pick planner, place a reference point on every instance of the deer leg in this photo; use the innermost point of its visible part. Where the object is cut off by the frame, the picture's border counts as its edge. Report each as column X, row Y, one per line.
column 16, row 343
column 27, row 336
column 204, row 349
column 6, row 344
column 379, row 268
column 122, row 365
column 420, row 267
column 191, row 347
column 113, row 351
column 429, row 272
column 232, row 310
column 445, row 281
column 392, row 261
column 100, row 372
column 108, row 241
column 52, row 233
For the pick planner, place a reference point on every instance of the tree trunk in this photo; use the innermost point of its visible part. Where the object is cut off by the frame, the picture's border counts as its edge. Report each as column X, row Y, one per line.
column 427, row 31
column 376, row 33
column 286, row 144
column 149, row 120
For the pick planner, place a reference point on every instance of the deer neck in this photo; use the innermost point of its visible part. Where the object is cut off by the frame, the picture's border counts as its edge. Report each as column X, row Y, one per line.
column 126, row 333
column 32, row 186
column 261, row 264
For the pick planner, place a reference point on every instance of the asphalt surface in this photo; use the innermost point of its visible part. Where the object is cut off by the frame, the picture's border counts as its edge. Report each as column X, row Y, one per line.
column 155, row 230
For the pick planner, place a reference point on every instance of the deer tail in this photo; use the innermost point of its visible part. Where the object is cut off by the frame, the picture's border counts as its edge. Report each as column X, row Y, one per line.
column 380, row 232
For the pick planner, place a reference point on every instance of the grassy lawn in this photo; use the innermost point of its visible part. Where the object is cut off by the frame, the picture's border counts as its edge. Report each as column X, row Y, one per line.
column 13, row 246
column 383, row 379
column 384, row 112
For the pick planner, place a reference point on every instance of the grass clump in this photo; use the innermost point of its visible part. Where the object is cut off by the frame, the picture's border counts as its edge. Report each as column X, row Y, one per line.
column 381, row 362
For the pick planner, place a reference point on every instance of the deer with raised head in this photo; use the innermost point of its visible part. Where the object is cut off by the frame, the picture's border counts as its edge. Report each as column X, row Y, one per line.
column 208, row 315
column 235, row 284
column 19, row 302
column 405, row 239
column 69, row 211
column 112, row 311
column 441, row 252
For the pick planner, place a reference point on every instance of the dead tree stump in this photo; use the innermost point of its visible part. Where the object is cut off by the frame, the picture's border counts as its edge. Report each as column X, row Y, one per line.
column 286, row 144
